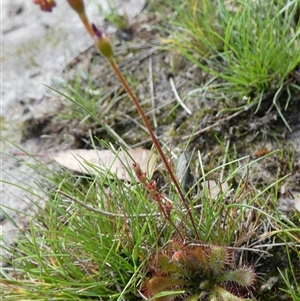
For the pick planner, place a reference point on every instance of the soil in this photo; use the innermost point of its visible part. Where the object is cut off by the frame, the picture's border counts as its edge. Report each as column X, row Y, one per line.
column 40, row 128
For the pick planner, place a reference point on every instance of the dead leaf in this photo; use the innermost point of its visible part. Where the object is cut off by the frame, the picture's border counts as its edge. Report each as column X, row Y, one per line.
column 90, row 161
column 260, row 153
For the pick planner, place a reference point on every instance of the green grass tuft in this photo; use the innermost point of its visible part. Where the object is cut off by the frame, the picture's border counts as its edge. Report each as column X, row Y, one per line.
column 251, row 47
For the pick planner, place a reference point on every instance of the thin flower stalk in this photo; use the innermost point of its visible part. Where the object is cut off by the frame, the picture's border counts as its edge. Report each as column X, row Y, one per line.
column 78, row 6
column 153, row 137
column 104, row 46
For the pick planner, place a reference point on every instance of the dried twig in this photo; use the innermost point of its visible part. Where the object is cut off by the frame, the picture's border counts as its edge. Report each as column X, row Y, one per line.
column 178, row 98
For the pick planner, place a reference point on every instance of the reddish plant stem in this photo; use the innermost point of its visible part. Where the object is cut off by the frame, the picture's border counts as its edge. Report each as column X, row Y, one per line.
column 80, row 10
column 86, row 24
column 153, row 137
column 170, row 220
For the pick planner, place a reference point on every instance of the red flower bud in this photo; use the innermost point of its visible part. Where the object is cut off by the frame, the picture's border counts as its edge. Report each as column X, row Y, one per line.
column 102, row 43
column 45, row 5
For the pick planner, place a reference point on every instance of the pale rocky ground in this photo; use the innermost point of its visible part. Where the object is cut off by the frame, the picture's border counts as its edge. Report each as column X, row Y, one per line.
column 35, row 48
